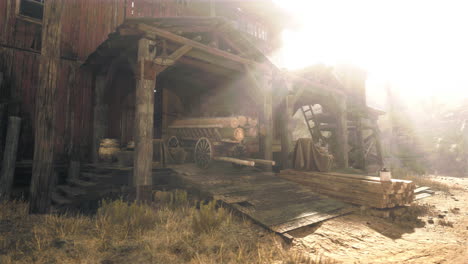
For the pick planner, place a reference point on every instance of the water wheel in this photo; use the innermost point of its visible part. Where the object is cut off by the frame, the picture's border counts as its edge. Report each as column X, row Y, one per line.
column 203, row 153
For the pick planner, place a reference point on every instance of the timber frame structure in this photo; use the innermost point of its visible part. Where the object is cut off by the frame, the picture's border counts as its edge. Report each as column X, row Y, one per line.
column 127, row 69
column 139, row 42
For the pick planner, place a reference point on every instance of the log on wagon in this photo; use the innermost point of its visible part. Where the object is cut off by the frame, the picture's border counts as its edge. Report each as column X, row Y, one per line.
column 215, row 139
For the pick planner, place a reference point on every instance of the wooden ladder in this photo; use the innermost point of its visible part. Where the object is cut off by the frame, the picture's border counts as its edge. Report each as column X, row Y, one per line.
column 311, row 118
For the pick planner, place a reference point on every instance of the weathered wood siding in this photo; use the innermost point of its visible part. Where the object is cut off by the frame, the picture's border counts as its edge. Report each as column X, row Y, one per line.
column 85, row 25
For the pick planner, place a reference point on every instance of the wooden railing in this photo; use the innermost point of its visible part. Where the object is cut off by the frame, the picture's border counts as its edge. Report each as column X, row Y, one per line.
column 155, row 8
column 173, row 8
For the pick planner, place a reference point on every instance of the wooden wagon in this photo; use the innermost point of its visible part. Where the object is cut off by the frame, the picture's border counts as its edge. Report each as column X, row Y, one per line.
column 215, row 139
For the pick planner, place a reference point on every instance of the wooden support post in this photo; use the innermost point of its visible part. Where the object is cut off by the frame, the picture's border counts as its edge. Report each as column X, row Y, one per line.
column 100, row 115
column 285, row 131
column 144, row 108
column 9, row 159
column 341, row 134
column 378, row 143
column 2, row 113
column 3, row 108
column 361, row 156
column 44, row 134
column 267, row 119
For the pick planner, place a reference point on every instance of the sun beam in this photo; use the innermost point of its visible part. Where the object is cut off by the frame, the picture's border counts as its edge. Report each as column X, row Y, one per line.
column 418, row 46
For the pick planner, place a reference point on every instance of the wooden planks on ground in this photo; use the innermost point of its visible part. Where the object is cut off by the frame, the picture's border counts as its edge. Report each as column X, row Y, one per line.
column 356, row 189
column 269, row 200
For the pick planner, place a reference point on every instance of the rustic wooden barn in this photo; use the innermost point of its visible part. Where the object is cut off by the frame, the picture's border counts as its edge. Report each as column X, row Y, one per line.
column 79, row 71
column 67, row 34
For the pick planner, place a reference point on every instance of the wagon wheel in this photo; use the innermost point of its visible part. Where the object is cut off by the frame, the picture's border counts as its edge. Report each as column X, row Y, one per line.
column 203, row 153
column 239, row 152
column 173, row 146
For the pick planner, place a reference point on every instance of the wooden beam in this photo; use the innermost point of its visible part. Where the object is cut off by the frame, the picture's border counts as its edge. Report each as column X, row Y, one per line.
column 144, row 119
column 201, row 47
column 231, row 44
column 180, row 52
column 9, row 159
column 378, row 143
column 206, row 67
column 255, row 91
column 361, row 158
column 175, row 56
column 263, row 90
column 307, row 84
column 285, row 112
column 341, row 134
column 44, row 134
column 220, row 62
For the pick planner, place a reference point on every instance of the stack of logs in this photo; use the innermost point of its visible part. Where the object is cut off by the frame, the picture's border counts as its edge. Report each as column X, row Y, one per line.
column 356, row 189
column 233, row 128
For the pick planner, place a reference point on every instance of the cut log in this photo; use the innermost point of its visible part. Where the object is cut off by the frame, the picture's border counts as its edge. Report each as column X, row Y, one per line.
column 9, row 159
column 225, row 122
column 242, row 121
column 237, row 134
column 263, row 162
column 253, row 122
column 236, row 161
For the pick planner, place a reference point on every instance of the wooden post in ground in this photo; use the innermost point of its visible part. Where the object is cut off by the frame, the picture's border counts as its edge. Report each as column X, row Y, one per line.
column 44, row 134
column 378, row 142
column 9, row 159
column 100, row 115
column 285, row 128
column 266, row 120
column 2, row 127
column 341, row 154
column 361, row 156
column 144, row 107
column 2, row 112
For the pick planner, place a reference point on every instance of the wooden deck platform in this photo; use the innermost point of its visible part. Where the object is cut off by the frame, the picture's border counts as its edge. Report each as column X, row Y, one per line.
column 275, row 203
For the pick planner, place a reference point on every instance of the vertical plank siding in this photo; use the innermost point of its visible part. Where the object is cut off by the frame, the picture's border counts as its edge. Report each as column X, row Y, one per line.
column 85, row 25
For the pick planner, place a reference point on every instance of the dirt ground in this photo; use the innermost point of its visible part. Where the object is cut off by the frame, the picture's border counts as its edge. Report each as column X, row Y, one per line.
column 436, row 233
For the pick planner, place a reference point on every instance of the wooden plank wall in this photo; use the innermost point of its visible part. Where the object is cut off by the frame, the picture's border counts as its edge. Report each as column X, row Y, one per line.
column 86, row 24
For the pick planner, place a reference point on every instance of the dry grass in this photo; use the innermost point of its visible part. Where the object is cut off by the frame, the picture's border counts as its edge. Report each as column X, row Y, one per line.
column 171, row 231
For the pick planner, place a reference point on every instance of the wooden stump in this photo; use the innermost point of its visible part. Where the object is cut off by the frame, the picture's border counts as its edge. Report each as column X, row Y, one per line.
column 9, row 159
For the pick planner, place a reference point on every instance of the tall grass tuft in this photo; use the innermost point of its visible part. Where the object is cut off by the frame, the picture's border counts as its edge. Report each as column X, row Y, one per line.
column 170, row 231
column 120, row 218
column 209, row 218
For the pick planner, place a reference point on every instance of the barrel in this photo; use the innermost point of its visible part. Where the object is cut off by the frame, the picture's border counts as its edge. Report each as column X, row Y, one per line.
column 108, row 149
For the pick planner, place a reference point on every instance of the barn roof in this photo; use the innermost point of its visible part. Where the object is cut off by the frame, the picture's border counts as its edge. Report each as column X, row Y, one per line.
column 236, row 52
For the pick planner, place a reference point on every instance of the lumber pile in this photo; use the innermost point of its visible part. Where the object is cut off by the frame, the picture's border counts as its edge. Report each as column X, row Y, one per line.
column 223, row 122
column 234, row 128
column 356, row 189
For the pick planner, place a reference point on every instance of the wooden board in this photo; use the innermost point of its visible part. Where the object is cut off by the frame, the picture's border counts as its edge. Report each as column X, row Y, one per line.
column 270, row 201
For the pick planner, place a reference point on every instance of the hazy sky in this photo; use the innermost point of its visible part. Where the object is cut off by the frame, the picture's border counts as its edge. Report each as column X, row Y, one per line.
column 420, row 47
